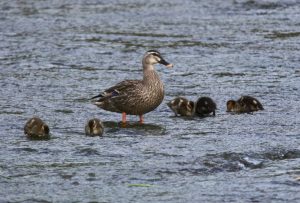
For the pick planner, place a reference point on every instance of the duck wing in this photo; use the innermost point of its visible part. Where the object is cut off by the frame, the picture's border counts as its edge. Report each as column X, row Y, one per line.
column 120, row 89
column 120, row 97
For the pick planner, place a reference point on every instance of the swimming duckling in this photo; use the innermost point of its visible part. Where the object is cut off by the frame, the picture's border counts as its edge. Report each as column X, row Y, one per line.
column 251, row 103
column 205, row 106
column 182, row 106
column 245, row 104
column 35, row 128
column 94, row 127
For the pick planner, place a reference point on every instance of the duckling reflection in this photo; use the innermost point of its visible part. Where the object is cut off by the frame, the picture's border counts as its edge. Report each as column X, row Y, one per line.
column 94, row 127
column 205, row 106
column 35, row 128
column 182, row 106
column 245, row 104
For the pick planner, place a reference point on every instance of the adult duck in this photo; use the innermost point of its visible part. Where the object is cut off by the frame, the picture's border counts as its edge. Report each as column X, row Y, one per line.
column 136, row 97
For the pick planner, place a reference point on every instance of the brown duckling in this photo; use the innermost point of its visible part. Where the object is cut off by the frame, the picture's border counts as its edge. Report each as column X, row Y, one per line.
column 35, row 128
column 182, row 106
column 205, row 106
column 233, row 106
column 251, row 103
column 245, row 104
column 94, row 127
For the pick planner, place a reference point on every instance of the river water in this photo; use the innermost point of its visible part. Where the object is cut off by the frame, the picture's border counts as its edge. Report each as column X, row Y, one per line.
column 55, row 55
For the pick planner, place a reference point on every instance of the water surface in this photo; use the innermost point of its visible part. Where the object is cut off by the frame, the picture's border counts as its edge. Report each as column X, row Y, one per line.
column 55, row 55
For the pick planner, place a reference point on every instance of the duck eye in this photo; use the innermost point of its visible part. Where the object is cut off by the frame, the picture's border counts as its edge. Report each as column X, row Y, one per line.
column 156, row 54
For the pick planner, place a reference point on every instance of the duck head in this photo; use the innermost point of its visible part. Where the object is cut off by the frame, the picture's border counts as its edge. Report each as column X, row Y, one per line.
column 152, row 57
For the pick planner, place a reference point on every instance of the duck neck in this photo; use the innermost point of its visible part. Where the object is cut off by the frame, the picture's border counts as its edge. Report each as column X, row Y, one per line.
column 150, row 75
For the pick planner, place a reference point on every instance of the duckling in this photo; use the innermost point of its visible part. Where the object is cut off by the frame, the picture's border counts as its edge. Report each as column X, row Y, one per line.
column 205, row 106
column 182, row 106
column 245, row 104
column 35, row 128
column 94, row 127
column 251, row 103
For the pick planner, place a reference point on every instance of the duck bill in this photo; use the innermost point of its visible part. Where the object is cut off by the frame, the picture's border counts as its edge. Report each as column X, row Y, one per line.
column 163, row 62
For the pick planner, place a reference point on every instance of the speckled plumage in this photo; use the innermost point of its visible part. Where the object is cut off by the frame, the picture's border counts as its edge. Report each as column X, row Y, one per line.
column 136, row 97
column 181, row 106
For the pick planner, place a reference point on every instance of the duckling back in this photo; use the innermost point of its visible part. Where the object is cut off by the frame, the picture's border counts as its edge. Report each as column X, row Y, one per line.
column 250, row 103
column 94, row 127
column 35, row 128
column 205, row 106
column 245, row 104
column 181, row 106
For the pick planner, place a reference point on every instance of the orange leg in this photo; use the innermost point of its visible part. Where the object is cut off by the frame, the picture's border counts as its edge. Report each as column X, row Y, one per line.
column 123, row 117
column 141, row 119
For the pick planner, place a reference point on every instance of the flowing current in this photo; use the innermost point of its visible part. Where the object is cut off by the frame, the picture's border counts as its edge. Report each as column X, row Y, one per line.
column 55, row 55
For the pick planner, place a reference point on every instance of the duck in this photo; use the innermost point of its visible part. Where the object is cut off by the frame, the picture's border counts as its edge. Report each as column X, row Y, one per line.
column 36, row 128
column 94, row 127
column 205, row 106
column 245, row 104
column 136, row 97
column 181, row 106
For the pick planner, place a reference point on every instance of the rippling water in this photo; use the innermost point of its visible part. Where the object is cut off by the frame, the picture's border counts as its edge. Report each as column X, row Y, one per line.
column 55, row 55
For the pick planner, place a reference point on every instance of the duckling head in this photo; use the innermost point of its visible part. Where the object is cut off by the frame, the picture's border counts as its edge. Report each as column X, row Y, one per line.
column 94, row 127
column 40, row 132
column 231, row 105
column 45, row 129
column 152, row 57
column 188, row 108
